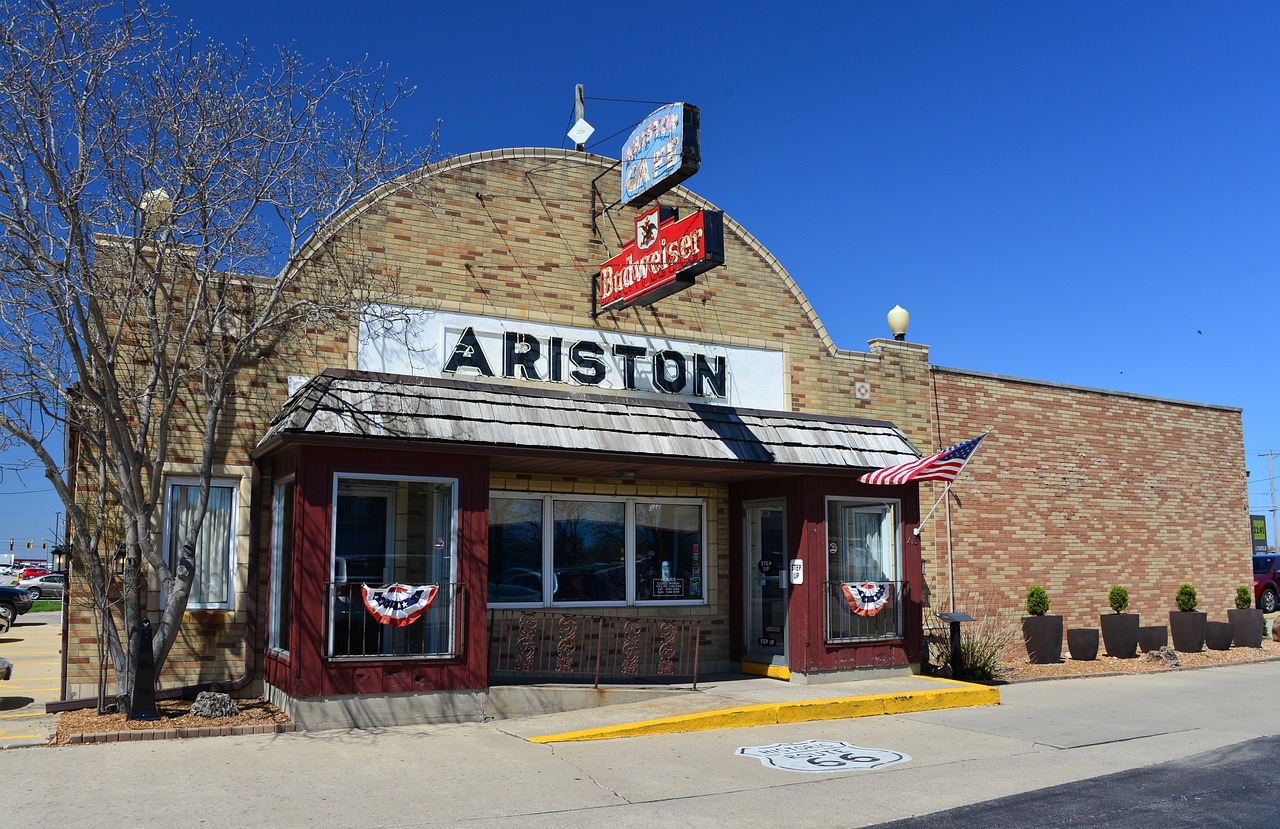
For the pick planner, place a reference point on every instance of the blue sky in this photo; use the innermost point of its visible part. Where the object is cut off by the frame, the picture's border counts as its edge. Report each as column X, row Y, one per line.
column 1080, row 192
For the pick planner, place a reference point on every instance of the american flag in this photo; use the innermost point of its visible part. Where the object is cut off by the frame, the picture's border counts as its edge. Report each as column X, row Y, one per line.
column 944, row 466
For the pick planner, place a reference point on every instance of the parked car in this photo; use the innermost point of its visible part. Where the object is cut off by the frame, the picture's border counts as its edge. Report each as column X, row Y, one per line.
column 32, row 572
column 43, row 587
column 6, row 669
column 1266, row 582
column 13, row 603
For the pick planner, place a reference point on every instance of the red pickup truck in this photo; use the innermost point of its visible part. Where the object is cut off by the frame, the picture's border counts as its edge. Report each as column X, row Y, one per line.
column 1266, row 582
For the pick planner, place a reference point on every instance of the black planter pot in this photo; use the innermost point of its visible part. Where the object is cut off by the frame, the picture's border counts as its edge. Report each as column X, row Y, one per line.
column 1082, row 643
column 1152, row 638
column 1217, row 636
column 1043, row 637
column 1120, row 635
column 1247, row 627
column 1187, row 629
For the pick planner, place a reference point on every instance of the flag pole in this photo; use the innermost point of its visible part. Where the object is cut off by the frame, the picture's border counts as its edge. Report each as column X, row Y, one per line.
column 947, row 488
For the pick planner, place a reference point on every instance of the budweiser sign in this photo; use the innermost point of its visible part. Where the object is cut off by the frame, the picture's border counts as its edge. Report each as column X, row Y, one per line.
column 664, row 258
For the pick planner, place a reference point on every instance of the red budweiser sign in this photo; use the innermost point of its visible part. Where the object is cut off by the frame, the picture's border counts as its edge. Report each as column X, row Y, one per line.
column 665, row 256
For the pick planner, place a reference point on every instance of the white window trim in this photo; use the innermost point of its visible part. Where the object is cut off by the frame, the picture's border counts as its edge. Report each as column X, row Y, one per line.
column 233, row 542
column 276, row 592
column 629, row 549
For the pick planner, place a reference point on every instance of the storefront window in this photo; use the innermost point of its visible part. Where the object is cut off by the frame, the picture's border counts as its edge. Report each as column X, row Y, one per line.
column 390, row 531
column 589, row 551
column 864, row 581
column 515, row 551
column 668, row 551
column 593, row 551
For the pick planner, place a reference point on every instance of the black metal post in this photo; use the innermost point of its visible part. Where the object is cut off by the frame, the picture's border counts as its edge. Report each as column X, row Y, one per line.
column 957, row 657
column 142, row 702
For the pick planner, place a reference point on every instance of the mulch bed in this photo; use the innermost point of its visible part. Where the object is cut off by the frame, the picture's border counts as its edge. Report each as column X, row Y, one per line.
column 175, row 720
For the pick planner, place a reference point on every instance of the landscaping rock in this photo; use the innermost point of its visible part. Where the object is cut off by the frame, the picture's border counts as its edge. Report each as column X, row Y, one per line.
column 213, row 705
column 1167, row 656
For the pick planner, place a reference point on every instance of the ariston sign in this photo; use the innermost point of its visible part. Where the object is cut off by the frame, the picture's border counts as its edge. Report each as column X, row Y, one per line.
column 664, row 257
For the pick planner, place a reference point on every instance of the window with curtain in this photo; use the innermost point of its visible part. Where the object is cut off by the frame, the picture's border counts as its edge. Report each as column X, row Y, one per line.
column 281, row 566
column 862, row 552
column 215, row 545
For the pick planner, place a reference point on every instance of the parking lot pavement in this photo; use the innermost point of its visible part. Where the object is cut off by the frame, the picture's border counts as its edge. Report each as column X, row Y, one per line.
column 32, row 645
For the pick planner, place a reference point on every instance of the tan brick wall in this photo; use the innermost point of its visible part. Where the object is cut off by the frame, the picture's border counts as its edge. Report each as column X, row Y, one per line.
column 1079, row 490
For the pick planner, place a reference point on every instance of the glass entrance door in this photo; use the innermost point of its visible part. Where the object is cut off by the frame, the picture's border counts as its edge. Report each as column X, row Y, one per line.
column 764, row 548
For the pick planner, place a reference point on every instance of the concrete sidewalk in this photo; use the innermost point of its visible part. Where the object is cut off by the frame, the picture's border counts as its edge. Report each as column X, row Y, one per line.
column 742, row 701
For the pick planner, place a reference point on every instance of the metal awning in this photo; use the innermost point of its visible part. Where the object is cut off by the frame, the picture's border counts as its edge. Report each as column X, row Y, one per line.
column 505, row 419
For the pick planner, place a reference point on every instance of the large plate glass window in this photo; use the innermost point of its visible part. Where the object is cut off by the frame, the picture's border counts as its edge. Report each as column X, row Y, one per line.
column 515, row 551
column 393, row 531
column 559, row 550
column 668, row 551
column 215, row 550
column 864, row 580
column 589, row 551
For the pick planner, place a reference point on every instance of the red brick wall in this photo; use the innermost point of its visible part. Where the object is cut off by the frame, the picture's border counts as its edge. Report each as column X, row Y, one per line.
column 1078, row 490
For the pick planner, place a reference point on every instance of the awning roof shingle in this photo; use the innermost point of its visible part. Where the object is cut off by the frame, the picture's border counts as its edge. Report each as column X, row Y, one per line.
column 347, row 404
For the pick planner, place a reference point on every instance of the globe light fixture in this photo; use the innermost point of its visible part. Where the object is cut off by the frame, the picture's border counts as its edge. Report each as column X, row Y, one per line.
column 899, row 319
column 156, row 206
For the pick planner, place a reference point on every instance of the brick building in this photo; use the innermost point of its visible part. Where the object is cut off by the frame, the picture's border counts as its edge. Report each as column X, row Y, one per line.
column 674, row 484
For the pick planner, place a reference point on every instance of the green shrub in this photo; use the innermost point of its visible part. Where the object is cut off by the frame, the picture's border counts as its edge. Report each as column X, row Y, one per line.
column 1244, row 598
column 1037, row 601
column 993, row 632
column 1186, row 597
column 1119, row 598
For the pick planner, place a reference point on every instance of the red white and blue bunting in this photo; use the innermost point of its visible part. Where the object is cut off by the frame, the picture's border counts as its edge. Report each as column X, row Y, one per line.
column 866, row 598
column 398, row 604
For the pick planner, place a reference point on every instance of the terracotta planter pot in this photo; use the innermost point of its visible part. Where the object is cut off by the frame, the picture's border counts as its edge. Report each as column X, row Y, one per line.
column 1082, row 643
column 1247, row 627
column 1120, row 634
column 1217, row 636
column 1187, row 629
column 1043, row 638
column 1152, row 638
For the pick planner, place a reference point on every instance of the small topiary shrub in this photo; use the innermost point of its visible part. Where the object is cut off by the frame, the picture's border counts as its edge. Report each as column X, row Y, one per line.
column 1037, row 601
column 1244, row 598
column 1186, row 598
column 1119, row 598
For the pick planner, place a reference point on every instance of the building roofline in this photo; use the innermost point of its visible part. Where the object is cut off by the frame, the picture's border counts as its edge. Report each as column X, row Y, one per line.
column 1085, row 389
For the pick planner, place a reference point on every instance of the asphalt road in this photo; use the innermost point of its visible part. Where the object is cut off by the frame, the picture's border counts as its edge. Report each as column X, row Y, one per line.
column 1225, row 788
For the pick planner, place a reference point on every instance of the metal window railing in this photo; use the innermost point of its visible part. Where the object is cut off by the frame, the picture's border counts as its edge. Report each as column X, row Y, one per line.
column 534, row 645
column 844, row 625
column 356, row 633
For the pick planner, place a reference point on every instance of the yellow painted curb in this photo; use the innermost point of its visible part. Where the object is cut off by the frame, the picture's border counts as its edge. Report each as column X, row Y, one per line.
column 770, row 671
column 772, row 713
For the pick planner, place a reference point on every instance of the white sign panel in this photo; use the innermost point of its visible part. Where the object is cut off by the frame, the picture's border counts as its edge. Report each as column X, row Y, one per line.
column 823, row 755
column 468, row 347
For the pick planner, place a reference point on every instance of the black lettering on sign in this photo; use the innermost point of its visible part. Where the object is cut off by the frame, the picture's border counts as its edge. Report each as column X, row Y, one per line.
column 708, row 381
column 588, row 361
column 520, row 351
column 468, row 354
column 629, row 353
column 555, row 360
column 663, row 378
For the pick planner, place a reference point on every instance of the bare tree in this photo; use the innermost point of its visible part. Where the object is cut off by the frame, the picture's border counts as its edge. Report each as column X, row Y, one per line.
column 144, row 174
